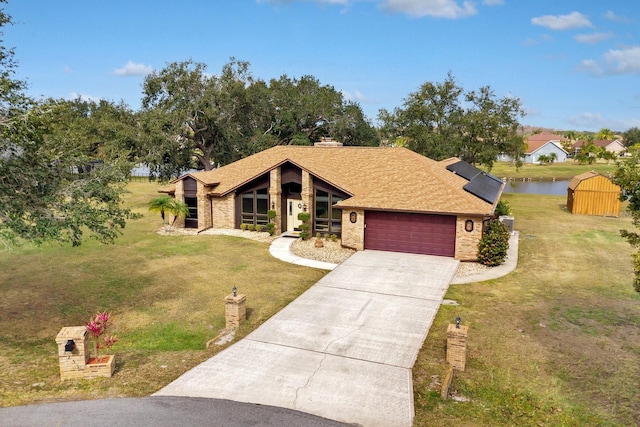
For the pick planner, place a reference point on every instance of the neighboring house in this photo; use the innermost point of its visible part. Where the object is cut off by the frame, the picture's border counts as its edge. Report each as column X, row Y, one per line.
column 544, row 143
column 614, row 146
column 384, row 198
column 593, row 194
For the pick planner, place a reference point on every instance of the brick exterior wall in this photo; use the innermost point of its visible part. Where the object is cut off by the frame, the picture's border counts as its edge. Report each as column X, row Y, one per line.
column 353, row 234
column 307, row 190
column 467, row 242
column 275, row 197
column 224, row 209
column 204, row 207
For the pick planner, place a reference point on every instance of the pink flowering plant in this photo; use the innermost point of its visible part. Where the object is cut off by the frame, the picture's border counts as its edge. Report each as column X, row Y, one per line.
column 97, row 327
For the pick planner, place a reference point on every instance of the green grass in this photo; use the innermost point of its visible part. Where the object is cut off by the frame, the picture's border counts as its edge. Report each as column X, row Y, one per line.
column 166, row 294
column 558, row 171
column 555, row 342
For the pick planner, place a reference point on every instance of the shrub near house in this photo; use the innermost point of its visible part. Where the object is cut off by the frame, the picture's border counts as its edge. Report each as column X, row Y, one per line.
column 494, row 244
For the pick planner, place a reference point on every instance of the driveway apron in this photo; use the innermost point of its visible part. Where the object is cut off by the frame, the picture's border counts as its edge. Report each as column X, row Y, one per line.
column 342, row 350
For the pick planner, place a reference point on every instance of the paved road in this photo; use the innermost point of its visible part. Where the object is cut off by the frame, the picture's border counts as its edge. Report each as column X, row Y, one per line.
column 157, row 412
column 343, row 350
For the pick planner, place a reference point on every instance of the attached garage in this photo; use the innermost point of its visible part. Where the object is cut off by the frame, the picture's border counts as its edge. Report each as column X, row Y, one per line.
column 410, row 232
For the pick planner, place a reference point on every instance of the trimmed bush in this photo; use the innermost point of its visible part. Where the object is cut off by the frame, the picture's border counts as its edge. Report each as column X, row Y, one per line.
column 503, row 208
column 243, row 227
column 304, row 227
column 259, row 228
column 493, row 246
column 271, row 228
column 251, row 227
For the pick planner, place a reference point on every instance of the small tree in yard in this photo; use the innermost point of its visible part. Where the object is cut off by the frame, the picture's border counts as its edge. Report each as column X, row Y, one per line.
column 168, row 205
column 305, row 226
column 627, row 176
column 493, row 246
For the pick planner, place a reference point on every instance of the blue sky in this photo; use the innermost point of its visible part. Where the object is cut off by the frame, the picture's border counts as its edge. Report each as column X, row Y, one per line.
column 575, row 64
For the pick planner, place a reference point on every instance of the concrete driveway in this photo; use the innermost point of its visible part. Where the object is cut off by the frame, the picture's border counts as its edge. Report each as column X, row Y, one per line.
column 343, row 350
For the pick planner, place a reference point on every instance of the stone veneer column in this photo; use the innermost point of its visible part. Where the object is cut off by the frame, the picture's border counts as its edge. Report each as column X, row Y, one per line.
column 235, row 310
column 275, row 196
column 467, row 241
column 457, row 346
column 307, row 193
column 353, row 233
column 204, row 207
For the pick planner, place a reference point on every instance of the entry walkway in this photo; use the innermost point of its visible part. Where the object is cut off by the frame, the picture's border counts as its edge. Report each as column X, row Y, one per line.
column 343, row 350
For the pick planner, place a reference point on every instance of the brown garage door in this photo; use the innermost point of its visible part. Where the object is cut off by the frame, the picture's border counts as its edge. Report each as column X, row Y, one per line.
column 412, row 233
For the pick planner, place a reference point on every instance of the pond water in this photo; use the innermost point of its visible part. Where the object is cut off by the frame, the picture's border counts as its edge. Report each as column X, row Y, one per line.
column 556, row 188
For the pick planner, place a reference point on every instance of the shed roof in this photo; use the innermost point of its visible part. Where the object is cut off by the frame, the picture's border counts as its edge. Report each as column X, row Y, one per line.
column 576, row 180
column 384, row 178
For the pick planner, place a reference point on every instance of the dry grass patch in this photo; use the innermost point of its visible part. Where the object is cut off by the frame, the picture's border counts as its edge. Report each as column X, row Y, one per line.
column 166, row 294
column 555, row 342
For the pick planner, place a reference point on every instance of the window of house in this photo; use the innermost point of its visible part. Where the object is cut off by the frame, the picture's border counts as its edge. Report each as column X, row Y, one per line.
column 254, row 207
column 191, row 221
column 327, row 219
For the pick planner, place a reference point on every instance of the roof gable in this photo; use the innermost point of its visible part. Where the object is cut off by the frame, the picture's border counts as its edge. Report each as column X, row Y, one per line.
column 537, row 145
column 384, row 178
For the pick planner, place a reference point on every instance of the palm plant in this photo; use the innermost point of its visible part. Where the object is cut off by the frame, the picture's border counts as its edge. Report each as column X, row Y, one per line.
column 161, row 204
column 169, row 205
column 178, row 210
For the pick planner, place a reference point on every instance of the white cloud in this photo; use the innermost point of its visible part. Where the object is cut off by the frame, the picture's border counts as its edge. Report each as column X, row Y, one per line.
column 437, row 8
column 622, row 61
column 563, row 22
column 493, row 2
column 593, row 38
column 356, row 96
column 590, row 120
column 613, row 17
column 133, row 69
column 76, row 95
column 590, row 66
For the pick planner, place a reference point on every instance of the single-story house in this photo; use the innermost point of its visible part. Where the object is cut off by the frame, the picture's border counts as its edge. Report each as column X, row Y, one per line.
column 544, row 143
column 593, row 194
column 614, row 146
column 384, row 198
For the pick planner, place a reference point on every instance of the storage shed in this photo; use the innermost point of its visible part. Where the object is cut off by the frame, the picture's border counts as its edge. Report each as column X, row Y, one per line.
column 593, row 194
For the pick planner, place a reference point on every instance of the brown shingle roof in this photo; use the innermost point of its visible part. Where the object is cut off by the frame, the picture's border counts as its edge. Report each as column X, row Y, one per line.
column 387, row 178
column 538, row 140
column 579, row 178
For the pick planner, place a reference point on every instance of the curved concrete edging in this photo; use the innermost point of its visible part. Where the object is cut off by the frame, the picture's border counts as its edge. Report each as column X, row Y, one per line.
column 281, row 248
column 509, row 265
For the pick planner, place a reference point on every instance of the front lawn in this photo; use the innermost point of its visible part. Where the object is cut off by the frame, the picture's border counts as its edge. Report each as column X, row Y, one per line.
column 557, row 342
column 558, row 171
column 166, row 294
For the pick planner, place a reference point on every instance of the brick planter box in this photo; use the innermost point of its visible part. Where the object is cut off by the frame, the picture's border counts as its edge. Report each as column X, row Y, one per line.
column 103, row 368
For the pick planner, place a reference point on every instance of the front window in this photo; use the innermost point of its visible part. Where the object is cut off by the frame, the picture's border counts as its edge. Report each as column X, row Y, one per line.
column 328, row 219
column 255, row 205
column 191, row 221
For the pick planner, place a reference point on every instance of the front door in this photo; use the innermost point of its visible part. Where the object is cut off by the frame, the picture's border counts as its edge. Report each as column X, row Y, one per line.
column 294, row 207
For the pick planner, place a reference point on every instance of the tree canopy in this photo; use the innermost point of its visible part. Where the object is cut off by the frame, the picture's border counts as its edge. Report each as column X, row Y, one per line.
column 631, row 136
column 627, row 176
column 47, row 192
column 192, row 119
column 441, row 120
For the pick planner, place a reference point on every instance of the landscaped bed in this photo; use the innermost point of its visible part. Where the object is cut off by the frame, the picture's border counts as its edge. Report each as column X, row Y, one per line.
column 554, row 343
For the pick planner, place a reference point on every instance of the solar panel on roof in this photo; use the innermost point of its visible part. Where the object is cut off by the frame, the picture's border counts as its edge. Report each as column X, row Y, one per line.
column 485, row 186
column 465, row 170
